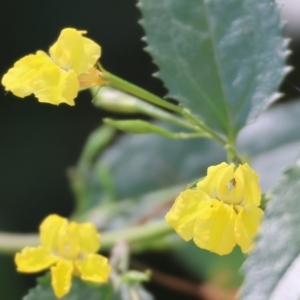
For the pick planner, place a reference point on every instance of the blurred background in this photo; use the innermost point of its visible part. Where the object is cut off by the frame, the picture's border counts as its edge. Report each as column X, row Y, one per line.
column 38, row 142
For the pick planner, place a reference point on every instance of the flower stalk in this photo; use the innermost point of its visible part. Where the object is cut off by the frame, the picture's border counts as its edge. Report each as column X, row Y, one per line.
column 130, row 88
column 13, row 242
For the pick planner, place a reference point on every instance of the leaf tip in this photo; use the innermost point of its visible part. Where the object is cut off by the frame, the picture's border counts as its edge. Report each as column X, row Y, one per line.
column 287, row 69
column 141, row 22
column 286, row 42
column 139, row 4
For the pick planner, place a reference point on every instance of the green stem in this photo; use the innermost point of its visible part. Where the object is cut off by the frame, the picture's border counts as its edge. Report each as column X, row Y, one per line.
column 130, row 88
column 232, row 154
column 13, row 242
column 122, row 102
column 184, row 135
column 160, row 114
column 201, row 125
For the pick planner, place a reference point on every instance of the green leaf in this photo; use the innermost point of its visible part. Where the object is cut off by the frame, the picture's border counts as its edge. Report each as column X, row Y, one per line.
column 273, row 269
column 80, row 290
column 221, row 59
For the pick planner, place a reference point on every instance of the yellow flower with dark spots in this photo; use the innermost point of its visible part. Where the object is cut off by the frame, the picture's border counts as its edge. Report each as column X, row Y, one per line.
column 222, row 211
column 59, row 77
column 69, row 249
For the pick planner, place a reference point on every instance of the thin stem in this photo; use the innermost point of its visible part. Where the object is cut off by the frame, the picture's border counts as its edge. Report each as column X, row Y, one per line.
column 120, row 102
column 232, row 154
column 201, row 125
column 130, row 88
column 184, row 135
column 149, row 231
column 13, row 242
column 158, row 113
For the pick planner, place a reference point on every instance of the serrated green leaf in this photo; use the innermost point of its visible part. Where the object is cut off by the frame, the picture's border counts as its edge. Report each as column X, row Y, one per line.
column 80, row 290
column 221, row 59
column 273, row 269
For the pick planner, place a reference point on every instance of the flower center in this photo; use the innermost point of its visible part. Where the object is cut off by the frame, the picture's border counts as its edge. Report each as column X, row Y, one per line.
column 68, row 251
column 68, row 246
column 230, row 192
column 231, row 184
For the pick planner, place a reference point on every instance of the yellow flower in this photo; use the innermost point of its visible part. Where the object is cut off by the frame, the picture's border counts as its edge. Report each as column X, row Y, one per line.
column 57, row 78
column 222, row 211
column 70, row 248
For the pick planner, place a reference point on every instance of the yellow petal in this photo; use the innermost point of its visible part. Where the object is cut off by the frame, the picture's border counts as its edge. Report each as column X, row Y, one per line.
column 73, row 51
column 214, row 227
column 246, row 227
column 94, row 268
column 230, row 186
column 89, row 238
column 252, row 189
column 20, row 78
column 209, row 183
column 62, row 277
column 32, row 259
column 50, row 230
column 183, row 214
column 55, row 86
